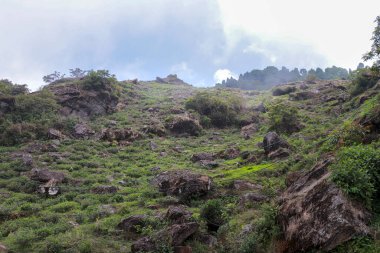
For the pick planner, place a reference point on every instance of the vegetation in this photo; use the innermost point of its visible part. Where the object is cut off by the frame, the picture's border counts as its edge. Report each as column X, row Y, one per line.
column 283, row 118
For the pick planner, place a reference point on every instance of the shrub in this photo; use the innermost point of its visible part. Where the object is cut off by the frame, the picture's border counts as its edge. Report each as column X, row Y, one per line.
column 99, row 80
column 362, row 80
column 214, row 212
column 283, row 118
column 357, row 172
column 219, row 110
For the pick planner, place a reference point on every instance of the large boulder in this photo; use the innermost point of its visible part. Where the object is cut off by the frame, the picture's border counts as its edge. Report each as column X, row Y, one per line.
column 45, row 175
column 273, row 142
column 202, row 156
column 171, row 79
column 183, row 183
column 178, row 214
column 55, row 134
column 119, row 134
column 315, row 214
column 184, row 124
column 247, row 131
column 132, row 225
column 82, row 130
column 77, row 100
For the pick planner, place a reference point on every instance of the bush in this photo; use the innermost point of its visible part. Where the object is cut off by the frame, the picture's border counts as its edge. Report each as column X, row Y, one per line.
column 214, row 212
column 283, row 118
column 357, row 172
column 99, row 80
column 362, row 80
column 219, row 110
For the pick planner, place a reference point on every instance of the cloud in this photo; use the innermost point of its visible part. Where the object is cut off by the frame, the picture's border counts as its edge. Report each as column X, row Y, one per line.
column 222, row 74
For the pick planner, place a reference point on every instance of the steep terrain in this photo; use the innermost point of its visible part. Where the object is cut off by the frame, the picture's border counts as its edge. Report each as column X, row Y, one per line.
column 107, row 166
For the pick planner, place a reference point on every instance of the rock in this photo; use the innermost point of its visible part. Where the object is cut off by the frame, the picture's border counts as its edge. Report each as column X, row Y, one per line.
column 55, row 134
column 208, row 164
column 105, row 210
column 105, row 189
column 248, row 131
column 183, row 183
column 175, row 235
column 251, row 198
column 283, row 90
column 241, row 185
column 45, row 175
column 303, row 95
column 153, row 145
column 26, row 158
column 315, row 214
column 178, row 214
column 184, row 124
column 119, row 134
column 132, row 225
column 260, row 108
column 36, row 147
column 50, row 188
column 202, row 156
column 272, row 142
column 279, row 153
column 155, row 169
column 171, row 79
column 229, row 153
column 82, row 130
column 3, row 249
column 209, row 240
column 292, row 177
column 155, row 127
column 84, row 100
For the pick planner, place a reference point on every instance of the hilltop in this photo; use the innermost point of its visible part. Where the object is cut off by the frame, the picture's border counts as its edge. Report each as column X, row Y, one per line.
column 93, row 164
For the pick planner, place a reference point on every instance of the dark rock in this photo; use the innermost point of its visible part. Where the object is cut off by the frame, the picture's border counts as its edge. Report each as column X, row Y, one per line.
column 248, row 131
column 155, row 127
column 272, row 142
column 171, row 79
column 104, row 189
column 315, row 214
column 183, row 249
column 260, row 108
column 36, row 147
column 180, row 232
column 153, row 145
column 117, row 134
column 55, row 134
column 178, row 214
column 184, row 124
column 155, row 169
column 209, row 240
column 279, row 153
column 183, row 183
column 45, row 175
column 144, row 244
column 132, row 225
column 78, row 101
column 283, row 90
column 202, row 156
column 82, row 130
column 251, row 198
column 303, row 95
column 229, row 153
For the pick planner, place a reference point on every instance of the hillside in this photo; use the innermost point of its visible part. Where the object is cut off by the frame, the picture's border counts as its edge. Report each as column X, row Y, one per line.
column 93, row 164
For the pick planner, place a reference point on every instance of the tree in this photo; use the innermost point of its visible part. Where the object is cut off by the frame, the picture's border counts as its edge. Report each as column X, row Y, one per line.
column 360, row 66
column 374, row 53
column 53, row 77
column 77, row 73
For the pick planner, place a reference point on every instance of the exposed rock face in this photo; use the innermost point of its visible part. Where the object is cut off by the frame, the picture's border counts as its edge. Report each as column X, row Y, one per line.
column 248, row 131
column 272, row 142
column 132, row 224
column 170, row 79
column 283, row 90
column 314, row 213
column 175, row 235
column 45, row 175
column 202, row 156
column 119, row 134
column 251, row 198
column 82, row 130
column 81, row 102
column 303, row 95
column 105, row 189
column 183, row 183
column 178, row 214
column 55, row 134
column 155, row 127
column 184, row 124
column 229, row 153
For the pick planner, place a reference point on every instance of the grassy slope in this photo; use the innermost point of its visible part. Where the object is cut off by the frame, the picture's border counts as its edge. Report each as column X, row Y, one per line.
column 75, row 221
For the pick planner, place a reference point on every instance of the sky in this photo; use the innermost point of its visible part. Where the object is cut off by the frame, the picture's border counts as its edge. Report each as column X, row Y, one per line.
column 203, row 41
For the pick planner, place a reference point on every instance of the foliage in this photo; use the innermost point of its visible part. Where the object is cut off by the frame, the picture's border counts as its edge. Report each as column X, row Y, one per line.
column 214, row 212
column 374, row 53
column 283, row 118
column 219, row 110
column 53, row 77
column 362, row 80
column 99, row 80
column 8, row 88
column 357, row 172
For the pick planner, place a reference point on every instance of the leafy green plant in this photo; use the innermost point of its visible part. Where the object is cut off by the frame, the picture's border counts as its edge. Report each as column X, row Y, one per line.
column 214, row 212
column 283, row 118
column 357, row 172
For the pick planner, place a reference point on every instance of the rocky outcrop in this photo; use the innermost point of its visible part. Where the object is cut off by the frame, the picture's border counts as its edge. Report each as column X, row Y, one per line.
column 55, row 134
column 184, row 125
column 155, row 127
column 183, row 183
column 315, row 214
column 104, row 189
column 132, row 225
column 171, row 79
column 178, row 214
column 283, row 90
column 119, row 134
column 202, row 156
column 247, row 131
column 229, row 153
column 50, row 180
column 274, row 146
column 252, row 198
column 82, row 130
column 77, row 101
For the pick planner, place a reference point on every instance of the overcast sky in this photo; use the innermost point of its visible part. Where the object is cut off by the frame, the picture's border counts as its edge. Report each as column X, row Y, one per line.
column 203, row 41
